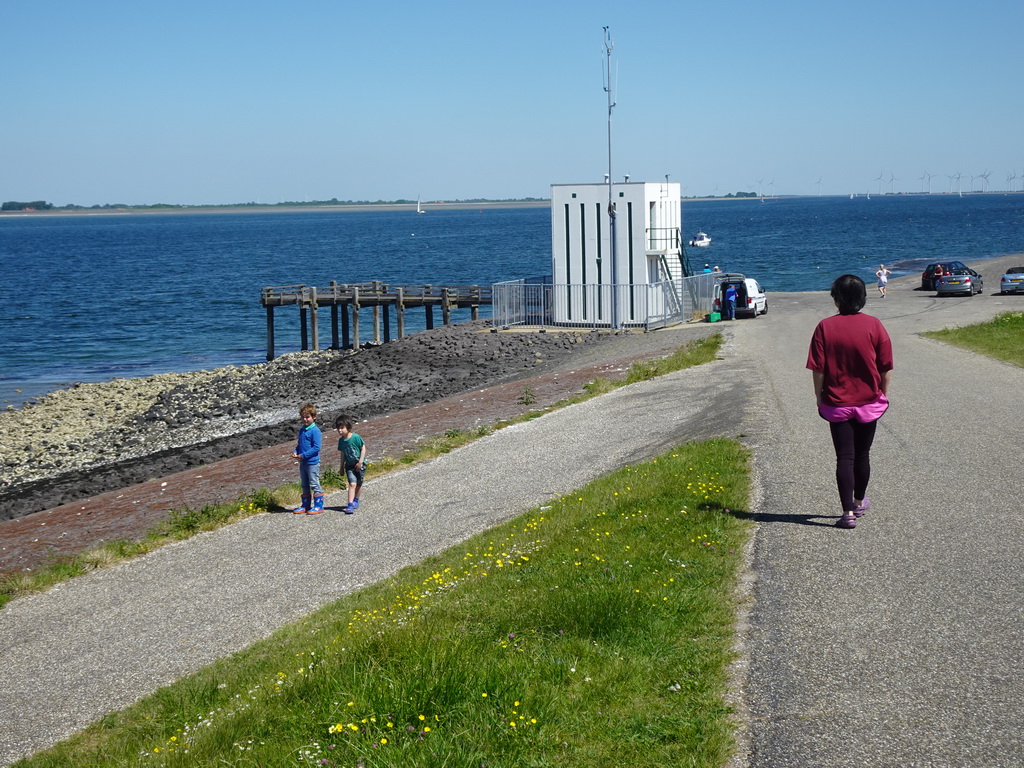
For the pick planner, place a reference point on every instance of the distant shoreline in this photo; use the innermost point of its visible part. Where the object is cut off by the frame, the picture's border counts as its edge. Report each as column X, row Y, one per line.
column 410, row 207
column 340, row 208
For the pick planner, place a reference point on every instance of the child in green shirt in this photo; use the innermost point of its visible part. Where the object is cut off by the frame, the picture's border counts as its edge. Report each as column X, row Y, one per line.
column 353, row 460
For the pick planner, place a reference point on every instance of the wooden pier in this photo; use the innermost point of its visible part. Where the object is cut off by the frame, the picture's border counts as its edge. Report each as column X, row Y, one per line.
column 346, row 299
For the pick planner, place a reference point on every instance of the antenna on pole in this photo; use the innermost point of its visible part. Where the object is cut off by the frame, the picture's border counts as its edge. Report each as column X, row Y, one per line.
column 609, row 46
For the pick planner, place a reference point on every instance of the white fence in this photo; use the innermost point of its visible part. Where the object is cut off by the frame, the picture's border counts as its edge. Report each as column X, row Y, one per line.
column 538, row 302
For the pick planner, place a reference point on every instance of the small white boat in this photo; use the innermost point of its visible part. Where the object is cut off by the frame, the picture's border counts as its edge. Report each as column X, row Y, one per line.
column 419, row 208
column 700, row 240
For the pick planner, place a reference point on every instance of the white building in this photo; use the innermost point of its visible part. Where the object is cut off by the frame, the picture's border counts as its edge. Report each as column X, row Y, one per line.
column 594, row 283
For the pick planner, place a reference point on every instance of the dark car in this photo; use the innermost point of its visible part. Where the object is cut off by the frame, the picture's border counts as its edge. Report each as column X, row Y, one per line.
column 964, row 280
column 933, row 271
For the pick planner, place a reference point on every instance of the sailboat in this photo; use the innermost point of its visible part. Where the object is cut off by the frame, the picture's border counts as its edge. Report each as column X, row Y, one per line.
column 419, row 208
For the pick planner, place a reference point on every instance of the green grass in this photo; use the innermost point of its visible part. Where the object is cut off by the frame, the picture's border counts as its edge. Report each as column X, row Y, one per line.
column 999, row 338
column 185, row 522
column 593, row 631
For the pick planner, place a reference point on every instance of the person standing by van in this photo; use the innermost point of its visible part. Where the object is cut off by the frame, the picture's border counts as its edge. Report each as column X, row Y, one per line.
column 729, row 302
column 850, row 359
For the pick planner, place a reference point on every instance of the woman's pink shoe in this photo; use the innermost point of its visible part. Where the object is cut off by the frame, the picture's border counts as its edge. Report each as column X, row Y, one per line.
column 864, row 507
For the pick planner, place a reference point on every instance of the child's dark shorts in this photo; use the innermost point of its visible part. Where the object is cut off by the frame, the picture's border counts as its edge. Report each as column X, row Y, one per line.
column 353, row 475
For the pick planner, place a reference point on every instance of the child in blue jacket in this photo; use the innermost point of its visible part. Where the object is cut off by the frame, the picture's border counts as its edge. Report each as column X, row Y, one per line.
column 307, row 451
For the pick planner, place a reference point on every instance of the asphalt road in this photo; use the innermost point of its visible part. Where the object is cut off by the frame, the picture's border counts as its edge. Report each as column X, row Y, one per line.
column 894, row 644
column 898, row 643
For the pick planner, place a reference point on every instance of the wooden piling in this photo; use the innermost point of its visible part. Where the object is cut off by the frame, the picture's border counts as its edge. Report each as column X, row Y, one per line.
column 355, row 318
column 270, row 333
column 314, row 328
column 303, row 330
column 400, row 313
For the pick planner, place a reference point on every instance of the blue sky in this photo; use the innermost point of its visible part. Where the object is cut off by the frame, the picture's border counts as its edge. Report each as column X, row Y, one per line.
column 223, row 102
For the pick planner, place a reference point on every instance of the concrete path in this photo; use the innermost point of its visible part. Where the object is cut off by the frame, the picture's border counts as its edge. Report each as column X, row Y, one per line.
column 895, row 644
column 899, row 643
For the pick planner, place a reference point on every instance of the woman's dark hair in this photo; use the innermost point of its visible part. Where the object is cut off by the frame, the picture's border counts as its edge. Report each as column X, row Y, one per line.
column 849, row 294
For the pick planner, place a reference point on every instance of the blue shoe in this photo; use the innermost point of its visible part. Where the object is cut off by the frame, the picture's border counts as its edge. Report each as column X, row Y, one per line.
column 350, row 509
column 355, row 503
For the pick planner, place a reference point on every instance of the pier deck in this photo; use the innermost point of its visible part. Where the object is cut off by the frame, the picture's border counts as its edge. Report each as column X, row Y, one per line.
column 345, row 301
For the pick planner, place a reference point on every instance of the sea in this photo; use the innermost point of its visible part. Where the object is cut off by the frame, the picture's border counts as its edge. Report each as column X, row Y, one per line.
column 92, row 297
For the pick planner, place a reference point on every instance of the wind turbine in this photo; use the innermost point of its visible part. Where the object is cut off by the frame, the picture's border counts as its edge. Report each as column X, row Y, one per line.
column 879, row 180
column 892, row 183
column 772, row 185
column 819, row 186
column 984, row 180
column 959, row 189
column 950, row 177
column 929, row 181
column 922, row 181
column 759, row 188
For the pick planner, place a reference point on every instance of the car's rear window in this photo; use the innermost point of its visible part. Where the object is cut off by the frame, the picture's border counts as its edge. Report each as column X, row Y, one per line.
column 1015, row 271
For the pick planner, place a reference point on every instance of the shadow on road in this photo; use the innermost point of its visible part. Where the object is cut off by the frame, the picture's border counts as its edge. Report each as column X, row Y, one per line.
column 767, row 517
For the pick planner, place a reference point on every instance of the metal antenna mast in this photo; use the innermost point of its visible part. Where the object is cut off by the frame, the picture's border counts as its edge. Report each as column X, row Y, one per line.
column 608, row 47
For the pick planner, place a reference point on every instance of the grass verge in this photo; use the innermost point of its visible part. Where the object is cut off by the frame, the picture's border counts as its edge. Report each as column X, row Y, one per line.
column 185, row 522
column 593, row 631
column 998, row 338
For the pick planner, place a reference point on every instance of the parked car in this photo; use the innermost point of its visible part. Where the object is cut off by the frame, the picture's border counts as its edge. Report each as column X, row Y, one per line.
column 933, row 271
column 751, row 300
column 1012, row 281
column 964, row 280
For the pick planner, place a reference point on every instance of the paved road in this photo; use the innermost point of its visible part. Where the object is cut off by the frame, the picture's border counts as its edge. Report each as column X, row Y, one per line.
column 897, row 643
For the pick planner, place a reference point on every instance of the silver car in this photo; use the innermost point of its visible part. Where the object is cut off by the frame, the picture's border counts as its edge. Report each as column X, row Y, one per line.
column 964, row 280
column 1012, row 281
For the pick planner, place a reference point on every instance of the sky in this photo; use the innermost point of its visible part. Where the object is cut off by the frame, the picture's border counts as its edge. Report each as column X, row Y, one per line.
column 221, row 102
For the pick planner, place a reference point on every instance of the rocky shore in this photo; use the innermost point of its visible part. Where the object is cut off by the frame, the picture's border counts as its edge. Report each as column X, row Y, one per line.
column 92, row 438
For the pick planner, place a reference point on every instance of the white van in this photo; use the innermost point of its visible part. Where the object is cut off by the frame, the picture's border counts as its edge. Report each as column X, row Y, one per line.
column 751, row 300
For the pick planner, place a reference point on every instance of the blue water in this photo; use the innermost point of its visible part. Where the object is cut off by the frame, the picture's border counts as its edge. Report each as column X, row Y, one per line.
column 87, row 298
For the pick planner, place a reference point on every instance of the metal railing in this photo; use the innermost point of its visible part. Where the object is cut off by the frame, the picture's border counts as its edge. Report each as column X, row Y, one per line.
column 539, row 302
column 663, row 239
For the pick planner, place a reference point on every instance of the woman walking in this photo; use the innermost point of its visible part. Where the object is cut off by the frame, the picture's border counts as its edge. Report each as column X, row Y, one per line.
column 883, row 279
column 850, row 359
